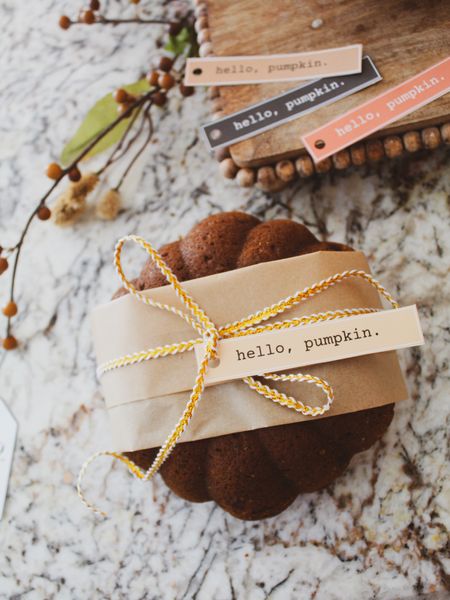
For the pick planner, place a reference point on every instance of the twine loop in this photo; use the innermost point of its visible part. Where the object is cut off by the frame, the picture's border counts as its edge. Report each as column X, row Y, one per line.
column 210, row 335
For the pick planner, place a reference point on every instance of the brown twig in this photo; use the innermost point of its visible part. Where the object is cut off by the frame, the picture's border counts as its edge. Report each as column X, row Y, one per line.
column 116, row 154
column 148, row 119
column 136, row 20
column 101, row 20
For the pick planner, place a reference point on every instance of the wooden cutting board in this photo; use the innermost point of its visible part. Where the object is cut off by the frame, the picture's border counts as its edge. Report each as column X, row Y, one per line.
column 402, row 37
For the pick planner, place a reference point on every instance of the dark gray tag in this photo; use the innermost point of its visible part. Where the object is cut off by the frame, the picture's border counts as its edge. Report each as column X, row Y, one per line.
column 290, row 105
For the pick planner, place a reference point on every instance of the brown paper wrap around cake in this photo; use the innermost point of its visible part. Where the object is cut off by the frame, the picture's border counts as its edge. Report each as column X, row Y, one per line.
column 155, row 392
column 220, row 457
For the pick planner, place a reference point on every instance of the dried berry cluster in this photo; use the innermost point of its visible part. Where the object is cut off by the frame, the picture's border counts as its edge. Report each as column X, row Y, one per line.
column 92, row 15
column 135, row 109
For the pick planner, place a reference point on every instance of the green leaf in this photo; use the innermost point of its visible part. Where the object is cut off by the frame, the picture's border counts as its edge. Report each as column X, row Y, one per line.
column 102, row 114
column 180, row 43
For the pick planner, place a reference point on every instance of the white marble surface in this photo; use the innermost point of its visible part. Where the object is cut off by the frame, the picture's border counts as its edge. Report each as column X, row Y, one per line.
column 381, row 531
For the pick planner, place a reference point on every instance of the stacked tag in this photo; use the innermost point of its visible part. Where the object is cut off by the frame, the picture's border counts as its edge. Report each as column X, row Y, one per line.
column 341, row 72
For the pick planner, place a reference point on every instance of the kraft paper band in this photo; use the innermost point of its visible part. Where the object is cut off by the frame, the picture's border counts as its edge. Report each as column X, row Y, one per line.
column 144, row 400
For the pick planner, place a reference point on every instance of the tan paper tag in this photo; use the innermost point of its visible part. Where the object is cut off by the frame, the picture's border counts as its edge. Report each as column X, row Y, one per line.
column 238, row 70
column 314, row 344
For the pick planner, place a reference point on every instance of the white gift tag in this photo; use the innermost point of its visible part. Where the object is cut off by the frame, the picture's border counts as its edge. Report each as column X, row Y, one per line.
column 8, row 432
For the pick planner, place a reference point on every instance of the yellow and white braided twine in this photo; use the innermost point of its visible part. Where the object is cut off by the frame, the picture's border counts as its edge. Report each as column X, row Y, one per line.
column 210, row 335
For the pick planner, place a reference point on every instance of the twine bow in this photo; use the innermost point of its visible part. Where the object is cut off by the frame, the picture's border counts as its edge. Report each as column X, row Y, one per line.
column 210, row 335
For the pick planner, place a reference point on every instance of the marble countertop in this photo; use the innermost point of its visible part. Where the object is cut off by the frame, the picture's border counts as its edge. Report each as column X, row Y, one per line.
column 380, row 532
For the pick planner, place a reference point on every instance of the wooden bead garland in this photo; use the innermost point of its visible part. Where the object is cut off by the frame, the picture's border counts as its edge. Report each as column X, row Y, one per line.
column 285, row 170
column 272, row 178
column 268, row 181
column 246, row 177
column 304, row 166
column 431, row 137
column 445, row 133
column 358, row 154
column 342, row 160
column 228, row 168
column 412, row 141
column 393, row 146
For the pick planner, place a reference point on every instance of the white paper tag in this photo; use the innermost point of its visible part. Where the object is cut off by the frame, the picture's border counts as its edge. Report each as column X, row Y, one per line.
column 328, row 341
column 8, row 432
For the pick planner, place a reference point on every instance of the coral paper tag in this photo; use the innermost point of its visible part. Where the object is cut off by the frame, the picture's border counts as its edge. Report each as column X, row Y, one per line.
column 8, row 431
column 291, row 105
column 313, row 344
column 238, row 70
column 371, row 116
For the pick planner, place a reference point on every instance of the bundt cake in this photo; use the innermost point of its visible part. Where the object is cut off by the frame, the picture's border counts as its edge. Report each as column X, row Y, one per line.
column 256, row 474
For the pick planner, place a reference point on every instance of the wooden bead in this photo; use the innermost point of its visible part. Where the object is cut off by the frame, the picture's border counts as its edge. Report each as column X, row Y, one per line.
column 431, row 137
column 374, row 150
column 204, row 36
column 358, row 154
column 213, row 92
column 445, row 133
column 245, row 177
column 304, row 166
column 201, row 10
column 324, row 165
column 412, row 141
column 201, row 23
column 268, row 181
column 285, row 170
column 393, row 146
column 221, row 154
column 342, row 160
column 205, row 49
column 228, row 168
column 216, row 104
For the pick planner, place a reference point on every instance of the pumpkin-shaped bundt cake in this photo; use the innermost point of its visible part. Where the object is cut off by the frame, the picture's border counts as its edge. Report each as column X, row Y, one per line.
column 256, row 474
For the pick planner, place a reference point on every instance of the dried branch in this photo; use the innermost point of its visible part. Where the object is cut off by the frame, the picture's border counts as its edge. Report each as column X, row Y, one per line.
column 147, row 119
column 64, row 172
column 161, row 80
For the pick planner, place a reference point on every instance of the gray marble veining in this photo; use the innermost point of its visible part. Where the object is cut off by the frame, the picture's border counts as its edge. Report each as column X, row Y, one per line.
column 380, row 532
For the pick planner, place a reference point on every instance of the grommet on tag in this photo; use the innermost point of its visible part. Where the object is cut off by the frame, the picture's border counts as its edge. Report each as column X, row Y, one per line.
column 319, row 144
column 197, row 71
column 214, row 363
column 215, row 134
